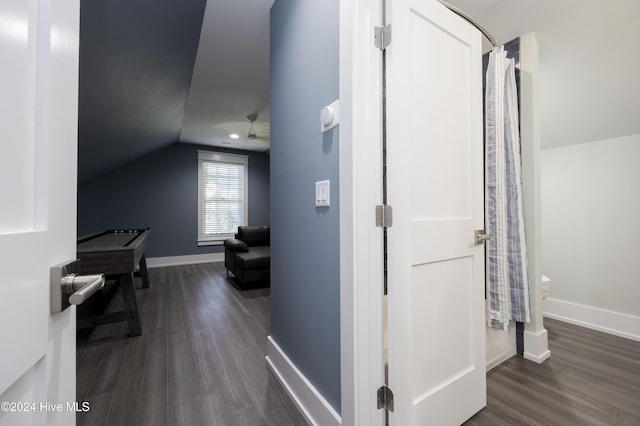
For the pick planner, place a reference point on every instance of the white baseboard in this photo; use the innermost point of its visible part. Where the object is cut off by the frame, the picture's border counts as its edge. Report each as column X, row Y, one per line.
column 497, row 360
column 315, row 409
column 616, row 323
column 157, row 262
column 536, row 346
column 500, row 345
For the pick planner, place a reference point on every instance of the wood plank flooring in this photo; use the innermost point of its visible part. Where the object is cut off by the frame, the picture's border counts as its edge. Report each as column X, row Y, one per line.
column 199, row 361
column 592, row 378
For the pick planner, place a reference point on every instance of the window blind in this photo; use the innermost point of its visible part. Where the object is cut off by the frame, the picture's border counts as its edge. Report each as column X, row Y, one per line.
column 222, row 196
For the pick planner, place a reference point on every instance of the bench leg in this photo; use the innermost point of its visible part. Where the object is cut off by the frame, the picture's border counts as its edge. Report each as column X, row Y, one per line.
column 144, row 274
column 131, row 306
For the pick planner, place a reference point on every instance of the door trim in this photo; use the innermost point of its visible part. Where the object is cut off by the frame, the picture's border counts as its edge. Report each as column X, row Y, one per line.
column 361, row 327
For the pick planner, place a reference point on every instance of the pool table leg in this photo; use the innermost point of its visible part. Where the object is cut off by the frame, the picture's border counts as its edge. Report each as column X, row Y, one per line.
column 129, row 296
column 144, row 275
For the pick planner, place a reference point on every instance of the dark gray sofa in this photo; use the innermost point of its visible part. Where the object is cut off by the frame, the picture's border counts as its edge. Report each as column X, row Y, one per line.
column 248, row 255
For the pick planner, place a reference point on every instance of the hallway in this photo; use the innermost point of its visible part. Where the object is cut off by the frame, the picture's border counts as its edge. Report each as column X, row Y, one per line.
column 199, row 361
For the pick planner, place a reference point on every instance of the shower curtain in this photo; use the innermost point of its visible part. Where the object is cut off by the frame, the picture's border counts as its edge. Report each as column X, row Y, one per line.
column 506, row 250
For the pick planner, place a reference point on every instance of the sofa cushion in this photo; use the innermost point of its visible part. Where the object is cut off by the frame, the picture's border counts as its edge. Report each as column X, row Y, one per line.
column 236, row 245
column 254, row 235
column 257, row 257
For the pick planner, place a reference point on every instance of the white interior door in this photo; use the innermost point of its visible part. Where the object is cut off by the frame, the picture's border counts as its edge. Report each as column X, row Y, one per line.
column 38, row 123
column 435, row 187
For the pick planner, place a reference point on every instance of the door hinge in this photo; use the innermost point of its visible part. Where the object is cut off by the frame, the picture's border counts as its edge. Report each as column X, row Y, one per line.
column 383, row 36
column 384, row 216
column 385, row 398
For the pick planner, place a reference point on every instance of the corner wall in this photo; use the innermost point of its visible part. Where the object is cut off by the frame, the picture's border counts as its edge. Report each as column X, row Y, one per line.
column 590, row 211
column 160, row 191
column 305, row 240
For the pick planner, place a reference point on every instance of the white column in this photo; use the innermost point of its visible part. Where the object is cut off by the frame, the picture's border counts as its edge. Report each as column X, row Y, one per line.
column 536, row 345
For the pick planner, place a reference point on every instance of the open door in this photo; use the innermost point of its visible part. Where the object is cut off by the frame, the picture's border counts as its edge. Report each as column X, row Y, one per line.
column 435, row 187
column 38, row 168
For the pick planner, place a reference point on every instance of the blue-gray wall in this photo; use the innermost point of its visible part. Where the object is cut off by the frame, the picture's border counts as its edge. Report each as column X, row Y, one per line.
column 160, row 191
column 305, row 252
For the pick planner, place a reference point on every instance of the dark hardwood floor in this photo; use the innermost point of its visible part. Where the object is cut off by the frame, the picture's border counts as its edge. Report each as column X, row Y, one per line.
column 592, row 378
column 199, row 361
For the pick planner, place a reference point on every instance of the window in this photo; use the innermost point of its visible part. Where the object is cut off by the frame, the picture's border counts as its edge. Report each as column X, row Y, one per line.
column 222, row 195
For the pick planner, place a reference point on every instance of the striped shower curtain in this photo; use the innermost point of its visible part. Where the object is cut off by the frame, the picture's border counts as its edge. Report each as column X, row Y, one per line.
column 506, row 250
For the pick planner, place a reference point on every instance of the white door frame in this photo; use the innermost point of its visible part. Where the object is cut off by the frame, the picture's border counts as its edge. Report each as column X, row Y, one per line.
column 361, row 323
column 361, row 280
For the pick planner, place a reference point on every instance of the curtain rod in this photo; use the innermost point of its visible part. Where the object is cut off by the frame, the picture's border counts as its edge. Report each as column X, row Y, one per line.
column 471, row 21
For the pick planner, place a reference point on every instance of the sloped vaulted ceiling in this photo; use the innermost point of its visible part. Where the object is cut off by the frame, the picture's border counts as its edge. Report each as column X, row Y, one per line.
column 141, row 60
column 136, row 63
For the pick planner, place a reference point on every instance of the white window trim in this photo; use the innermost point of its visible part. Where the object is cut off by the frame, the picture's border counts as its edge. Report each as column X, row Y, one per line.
column 220, row 158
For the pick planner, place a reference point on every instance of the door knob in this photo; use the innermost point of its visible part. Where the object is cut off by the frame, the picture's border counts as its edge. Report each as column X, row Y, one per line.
column 482, row 236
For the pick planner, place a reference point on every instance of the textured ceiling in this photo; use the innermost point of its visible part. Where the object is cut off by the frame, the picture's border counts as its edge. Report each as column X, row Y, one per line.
column 150, row 77
column 136, row 62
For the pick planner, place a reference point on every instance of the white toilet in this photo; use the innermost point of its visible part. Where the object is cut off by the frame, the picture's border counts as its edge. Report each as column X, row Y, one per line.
column 545, row 286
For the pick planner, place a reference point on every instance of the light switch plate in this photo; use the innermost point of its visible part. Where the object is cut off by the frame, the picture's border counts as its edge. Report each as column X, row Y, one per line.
column 323, row 193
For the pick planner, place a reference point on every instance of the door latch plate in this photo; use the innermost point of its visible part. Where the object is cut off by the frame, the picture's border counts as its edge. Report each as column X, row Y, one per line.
column 481, row 236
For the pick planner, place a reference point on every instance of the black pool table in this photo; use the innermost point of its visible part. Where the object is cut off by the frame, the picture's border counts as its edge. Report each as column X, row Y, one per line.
column 116, row 253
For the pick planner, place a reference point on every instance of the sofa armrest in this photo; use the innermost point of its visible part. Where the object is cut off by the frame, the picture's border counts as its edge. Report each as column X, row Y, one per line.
column 234, row 244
